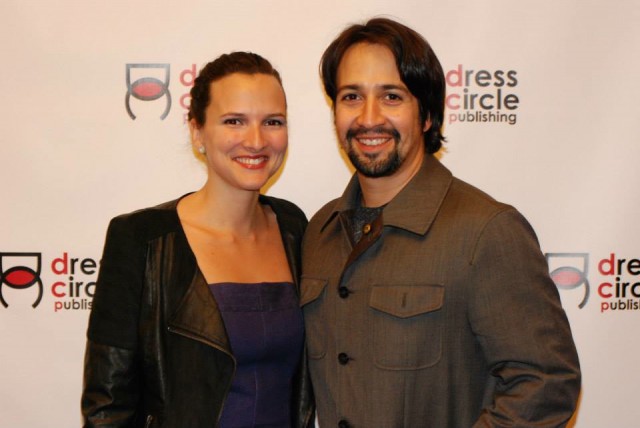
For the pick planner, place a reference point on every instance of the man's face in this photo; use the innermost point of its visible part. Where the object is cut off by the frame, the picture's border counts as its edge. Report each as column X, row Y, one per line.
column 376, row 117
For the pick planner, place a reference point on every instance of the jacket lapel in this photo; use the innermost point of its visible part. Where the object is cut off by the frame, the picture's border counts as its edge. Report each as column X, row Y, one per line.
column 291, row 239
column 198, row 315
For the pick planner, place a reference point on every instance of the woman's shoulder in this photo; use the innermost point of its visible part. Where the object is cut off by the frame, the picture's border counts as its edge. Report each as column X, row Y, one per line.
column 150, row 222
column 283, row 206
column 290, row 217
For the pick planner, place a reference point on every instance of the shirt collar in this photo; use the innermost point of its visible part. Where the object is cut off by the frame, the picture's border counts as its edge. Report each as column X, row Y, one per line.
column 415, row 207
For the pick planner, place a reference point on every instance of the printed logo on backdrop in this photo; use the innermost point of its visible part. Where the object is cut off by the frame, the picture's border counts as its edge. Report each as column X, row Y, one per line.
column 66, row 283
column 482, row 96
column 618, row 288
column 148, row 87
column 21, row 272
column 149, row 83
column 571, row 273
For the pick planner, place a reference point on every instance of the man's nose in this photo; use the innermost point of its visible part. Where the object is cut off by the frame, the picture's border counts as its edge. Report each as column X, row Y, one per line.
column 370, row 114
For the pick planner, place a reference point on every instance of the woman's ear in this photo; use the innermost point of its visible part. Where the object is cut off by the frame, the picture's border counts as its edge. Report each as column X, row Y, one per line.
column 194, row 131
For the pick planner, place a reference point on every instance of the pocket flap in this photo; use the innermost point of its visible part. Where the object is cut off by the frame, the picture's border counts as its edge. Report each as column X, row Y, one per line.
column 311, row 289
column 404, row 301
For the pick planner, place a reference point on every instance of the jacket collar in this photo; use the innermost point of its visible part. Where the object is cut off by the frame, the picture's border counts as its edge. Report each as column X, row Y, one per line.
column 415, row 207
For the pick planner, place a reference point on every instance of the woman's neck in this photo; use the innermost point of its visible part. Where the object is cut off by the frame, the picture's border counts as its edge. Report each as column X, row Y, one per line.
column 238, row 213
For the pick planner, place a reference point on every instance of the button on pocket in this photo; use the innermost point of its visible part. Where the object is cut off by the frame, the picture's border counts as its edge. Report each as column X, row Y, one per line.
column 407, row 327
column 311, row 302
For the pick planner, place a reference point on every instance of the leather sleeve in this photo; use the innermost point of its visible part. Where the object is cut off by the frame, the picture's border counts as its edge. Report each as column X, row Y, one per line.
column 110, row 388
column 111, row 374
column 303, row 400
column 516, row 314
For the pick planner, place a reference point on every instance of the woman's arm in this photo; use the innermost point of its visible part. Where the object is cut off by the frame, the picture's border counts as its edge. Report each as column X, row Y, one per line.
column 111, row 386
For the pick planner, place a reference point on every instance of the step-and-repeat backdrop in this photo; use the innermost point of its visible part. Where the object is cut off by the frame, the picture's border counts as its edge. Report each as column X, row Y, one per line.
column 542, row 113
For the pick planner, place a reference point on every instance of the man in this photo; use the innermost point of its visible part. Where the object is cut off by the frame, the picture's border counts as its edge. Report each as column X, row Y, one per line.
column 426, row 302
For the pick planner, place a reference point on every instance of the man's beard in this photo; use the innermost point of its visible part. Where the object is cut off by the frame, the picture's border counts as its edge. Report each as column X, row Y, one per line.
column 373, row 165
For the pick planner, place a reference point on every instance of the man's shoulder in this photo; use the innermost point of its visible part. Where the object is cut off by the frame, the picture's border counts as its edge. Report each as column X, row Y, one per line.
column 468, row 198
column 322, row 215
column 474, row 211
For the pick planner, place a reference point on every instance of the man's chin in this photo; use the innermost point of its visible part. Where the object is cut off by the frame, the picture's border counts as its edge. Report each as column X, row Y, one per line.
column 375, row 169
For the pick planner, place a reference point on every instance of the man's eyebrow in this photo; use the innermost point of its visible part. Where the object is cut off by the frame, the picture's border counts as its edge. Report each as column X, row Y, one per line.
column 352, row 87
column 386, row 87
column 394, row 87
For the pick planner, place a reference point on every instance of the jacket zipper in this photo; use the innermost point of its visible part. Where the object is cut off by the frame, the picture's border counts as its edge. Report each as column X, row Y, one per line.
column 147, row 423
column 219, row 348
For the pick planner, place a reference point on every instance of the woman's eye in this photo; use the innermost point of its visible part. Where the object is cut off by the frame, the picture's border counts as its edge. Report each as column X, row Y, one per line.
column 274, row 122
column 394, row 97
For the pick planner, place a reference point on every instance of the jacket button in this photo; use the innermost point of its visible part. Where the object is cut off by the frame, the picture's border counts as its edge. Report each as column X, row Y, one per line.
column 366, row 228
column 343, row 292
column 343, row 358
column 343, row 424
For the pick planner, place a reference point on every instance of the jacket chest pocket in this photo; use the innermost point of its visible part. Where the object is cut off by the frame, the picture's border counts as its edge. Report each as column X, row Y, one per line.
column 407, row 325
column 311, row 297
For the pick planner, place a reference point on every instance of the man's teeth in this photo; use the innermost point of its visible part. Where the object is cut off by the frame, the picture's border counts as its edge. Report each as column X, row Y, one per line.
column 372, row 141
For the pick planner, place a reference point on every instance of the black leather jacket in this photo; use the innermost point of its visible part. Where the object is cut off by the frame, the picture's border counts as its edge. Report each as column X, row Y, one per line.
column 157, row 352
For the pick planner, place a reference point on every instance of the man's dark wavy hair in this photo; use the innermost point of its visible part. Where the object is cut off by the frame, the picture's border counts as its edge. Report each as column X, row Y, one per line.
column 417, row 64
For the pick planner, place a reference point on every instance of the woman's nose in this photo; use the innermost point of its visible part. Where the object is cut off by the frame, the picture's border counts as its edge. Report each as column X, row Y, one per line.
column 254, row 139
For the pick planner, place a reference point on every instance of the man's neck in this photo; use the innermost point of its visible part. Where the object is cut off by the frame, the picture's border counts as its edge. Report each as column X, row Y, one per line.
column 381, row 190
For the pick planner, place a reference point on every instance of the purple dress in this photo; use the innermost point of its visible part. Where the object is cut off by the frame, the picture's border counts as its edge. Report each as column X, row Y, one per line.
column 265, row 328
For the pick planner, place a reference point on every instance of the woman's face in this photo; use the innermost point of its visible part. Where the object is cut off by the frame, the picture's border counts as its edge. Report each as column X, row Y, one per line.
column 245, row 130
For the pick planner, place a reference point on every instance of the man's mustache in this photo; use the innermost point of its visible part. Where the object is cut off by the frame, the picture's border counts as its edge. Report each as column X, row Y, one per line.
column 361, row 130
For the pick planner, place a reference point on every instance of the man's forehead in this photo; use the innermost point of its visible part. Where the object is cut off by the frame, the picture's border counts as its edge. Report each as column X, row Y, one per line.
column 366, row 64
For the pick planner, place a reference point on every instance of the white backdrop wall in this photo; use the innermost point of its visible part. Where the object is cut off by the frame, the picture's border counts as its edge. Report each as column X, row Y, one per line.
column 565, row 153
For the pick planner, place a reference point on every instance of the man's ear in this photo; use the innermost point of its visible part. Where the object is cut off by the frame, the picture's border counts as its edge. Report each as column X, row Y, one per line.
column 427, row 125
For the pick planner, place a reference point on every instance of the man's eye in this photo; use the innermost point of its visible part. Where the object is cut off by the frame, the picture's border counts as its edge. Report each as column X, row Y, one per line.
column 274, row 122
column 349, row 97
column 232, row 121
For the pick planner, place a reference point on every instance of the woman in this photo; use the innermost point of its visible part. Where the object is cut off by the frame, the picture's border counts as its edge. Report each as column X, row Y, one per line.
column 195, row 321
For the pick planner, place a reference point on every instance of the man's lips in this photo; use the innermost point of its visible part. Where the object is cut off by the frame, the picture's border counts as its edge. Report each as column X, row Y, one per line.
column 373, row 137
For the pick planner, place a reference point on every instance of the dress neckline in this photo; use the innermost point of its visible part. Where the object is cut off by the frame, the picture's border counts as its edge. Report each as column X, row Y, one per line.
column 215, row 284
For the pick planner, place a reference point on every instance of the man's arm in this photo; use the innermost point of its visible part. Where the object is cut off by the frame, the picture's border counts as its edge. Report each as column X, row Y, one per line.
column 516, row 315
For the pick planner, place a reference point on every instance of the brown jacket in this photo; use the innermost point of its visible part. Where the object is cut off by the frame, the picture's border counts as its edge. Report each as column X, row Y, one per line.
column 443, row 315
